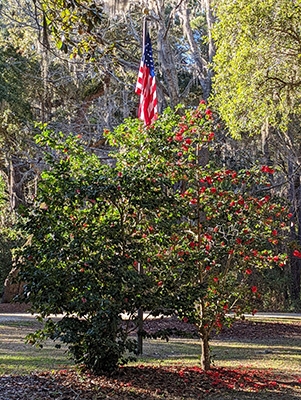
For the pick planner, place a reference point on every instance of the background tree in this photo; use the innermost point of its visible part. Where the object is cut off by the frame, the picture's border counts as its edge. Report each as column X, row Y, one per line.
column 257, row 89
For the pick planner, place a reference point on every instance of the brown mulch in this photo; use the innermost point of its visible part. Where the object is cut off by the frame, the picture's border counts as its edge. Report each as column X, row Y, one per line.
column 151, row 383
column 10, row 308
column 240, row 330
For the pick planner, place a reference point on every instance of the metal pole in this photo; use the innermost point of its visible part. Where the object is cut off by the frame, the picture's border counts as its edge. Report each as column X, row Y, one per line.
column 140, row 268
column 140, row 320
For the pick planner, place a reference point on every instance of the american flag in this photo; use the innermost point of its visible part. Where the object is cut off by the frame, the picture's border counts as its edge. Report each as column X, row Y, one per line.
column 146, row 86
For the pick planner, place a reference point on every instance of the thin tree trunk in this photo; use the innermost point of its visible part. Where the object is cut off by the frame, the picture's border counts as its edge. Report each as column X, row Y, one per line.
column 295, row 231
column 205, row 349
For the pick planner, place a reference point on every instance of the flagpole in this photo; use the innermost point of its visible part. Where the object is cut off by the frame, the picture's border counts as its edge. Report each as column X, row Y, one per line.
column 140, row 267
column 144, row 30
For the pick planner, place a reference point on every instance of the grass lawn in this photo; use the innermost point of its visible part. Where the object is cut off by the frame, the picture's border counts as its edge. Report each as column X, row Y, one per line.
column 17, row 357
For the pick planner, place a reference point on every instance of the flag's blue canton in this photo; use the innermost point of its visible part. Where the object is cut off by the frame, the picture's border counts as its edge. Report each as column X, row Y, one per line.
column 148, row 56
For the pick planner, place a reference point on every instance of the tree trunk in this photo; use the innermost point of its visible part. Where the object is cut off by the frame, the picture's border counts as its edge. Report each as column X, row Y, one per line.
column 295, row 230
column 205, row 350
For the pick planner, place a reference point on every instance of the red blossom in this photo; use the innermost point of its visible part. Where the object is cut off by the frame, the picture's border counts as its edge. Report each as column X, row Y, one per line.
column 254, row 289
column 297, row 253
column 209, row 180
column 248, row 271
column 267, row 169
column 179, row 137
column 193, row 201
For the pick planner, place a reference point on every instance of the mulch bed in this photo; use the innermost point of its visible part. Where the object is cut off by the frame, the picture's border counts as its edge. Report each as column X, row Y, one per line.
column 145, row 382
column 240, row 330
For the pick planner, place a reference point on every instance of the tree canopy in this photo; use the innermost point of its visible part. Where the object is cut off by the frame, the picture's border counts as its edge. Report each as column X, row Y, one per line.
column 257, row 68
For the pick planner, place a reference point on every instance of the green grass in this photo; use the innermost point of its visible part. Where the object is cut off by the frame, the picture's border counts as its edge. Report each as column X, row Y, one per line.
column 17, row 357
column 283, row 354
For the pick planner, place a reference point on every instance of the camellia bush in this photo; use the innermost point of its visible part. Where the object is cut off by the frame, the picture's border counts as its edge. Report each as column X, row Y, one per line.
column 162, row 230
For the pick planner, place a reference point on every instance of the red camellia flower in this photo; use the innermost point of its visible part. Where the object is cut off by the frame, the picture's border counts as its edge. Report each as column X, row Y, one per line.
column 179, row 137
column 215, row 279
column 248, row 271
column 297, row 253
column 193, row 201
column 160, row 283
column 267, row 169
column 188, row 141
column 254, row 289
